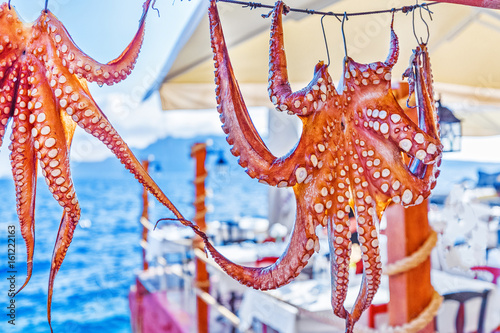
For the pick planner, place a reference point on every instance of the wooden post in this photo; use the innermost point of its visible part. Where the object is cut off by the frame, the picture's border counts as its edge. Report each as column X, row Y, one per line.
column 199, row 153
column 145, row 214
column 407, row 229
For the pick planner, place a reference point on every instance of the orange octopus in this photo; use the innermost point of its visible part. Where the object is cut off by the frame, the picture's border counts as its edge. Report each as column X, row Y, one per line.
column 43, row 89
column 351, row 156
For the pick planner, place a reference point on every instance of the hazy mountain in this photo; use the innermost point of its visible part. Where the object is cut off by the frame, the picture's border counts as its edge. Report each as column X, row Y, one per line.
column 168, row 155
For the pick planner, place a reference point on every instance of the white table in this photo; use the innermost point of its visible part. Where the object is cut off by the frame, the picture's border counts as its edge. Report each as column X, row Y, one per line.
column 304, row 306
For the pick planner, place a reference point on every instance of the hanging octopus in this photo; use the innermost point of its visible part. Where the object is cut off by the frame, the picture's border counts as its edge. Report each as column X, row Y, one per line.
column 351, row 155
column 43, row 89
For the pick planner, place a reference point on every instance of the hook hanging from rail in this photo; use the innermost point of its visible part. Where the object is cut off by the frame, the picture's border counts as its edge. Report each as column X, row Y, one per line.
column 420, row 7
column 345, row 18
column 324, row 37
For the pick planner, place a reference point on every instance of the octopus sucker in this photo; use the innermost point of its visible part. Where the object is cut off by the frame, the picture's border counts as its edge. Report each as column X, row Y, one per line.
column 348, row 158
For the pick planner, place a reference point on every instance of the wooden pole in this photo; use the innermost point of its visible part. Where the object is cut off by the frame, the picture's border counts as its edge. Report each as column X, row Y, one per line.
column 199, row 153
column 407, row 229
column 493, row 4
column 145, row 214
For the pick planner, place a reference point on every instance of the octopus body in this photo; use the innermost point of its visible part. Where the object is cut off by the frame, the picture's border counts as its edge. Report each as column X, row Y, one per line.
column 358, row 151
column 43, row 89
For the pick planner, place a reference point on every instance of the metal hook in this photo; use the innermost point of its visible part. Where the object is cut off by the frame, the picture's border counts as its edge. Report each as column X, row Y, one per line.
column 343, row 34
column 421, row 41
column 426, row 25
column 326, row 42
column 9, row 5
column 413, row 21
column 46, row 5
column 155, row 8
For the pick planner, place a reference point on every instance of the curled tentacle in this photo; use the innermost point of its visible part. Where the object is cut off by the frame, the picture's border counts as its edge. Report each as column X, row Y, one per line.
column 304, row 101
column 242, row 135
column 84, row 66
column 393, row 55
column 302, row 245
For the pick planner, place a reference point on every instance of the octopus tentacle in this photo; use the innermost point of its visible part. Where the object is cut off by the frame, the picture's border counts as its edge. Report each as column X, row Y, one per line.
column 73, row 98
column 303, row 243
column 84, row 66
column 23, row 162
column 340, row 249
column 10, row 43
column 425, row 94
column 393, row 55
column 7, row 99
column 419, row 74
column 53, row 153
column 387, row 175
column 242, row 135
column 304, row 101
column 393, row 123
column 369, row 244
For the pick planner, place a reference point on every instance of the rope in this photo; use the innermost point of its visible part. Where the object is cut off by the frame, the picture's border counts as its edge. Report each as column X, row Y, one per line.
column 200, row 179
column 199, row 199
column 401, row 266
column 404, row 9
column 200, row 214
column 197, row 147
column 418, row 323
column 415, row 259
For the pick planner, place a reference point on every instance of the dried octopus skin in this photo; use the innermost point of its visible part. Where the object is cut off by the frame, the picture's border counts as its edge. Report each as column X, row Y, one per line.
column 349, row 156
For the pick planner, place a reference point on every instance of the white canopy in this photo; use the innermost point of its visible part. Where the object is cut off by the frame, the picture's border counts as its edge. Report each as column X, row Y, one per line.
column 464, row 45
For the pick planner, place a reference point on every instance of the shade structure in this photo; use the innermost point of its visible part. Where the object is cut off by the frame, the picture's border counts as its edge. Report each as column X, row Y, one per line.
column 464, row 43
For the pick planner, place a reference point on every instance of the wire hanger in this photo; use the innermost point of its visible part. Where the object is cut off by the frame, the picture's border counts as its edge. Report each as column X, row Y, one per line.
column 421, row 7
column 345, row 18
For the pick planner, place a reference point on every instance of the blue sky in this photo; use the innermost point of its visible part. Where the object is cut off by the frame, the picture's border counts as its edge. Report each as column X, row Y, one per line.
column 103, row 29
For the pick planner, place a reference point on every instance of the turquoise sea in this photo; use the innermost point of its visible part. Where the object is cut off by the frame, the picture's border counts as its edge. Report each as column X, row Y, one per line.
column 91, row 289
